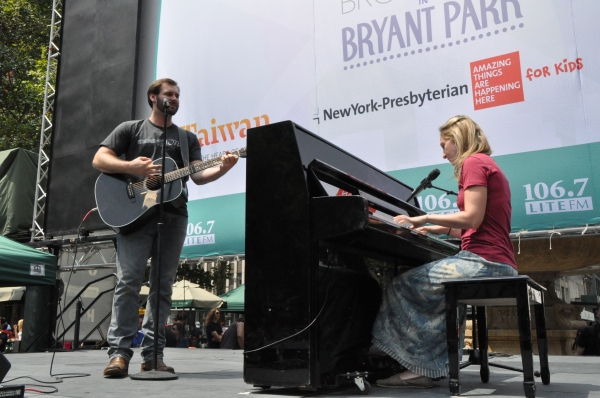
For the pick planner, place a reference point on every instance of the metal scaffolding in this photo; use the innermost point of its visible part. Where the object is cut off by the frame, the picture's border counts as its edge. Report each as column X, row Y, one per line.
column 39, row 203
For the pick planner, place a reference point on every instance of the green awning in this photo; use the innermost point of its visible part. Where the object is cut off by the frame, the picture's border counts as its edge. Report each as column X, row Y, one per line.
column 18, row 174
column 22, row 265
column 234, row 300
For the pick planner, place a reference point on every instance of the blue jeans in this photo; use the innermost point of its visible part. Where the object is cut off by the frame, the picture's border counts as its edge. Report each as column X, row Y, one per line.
column 133, row 251
column 411, row 323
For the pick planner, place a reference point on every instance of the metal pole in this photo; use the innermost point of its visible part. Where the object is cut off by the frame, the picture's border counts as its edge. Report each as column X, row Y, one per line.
column 78, row 310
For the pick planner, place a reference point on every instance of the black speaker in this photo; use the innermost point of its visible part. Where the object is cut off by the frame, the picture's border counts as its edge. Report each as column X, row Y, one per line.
column 4, row 366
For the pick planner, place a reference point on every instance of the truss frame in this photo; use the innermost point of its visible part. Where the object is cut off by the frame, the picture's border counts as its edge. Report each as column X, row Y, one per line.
column 39, row 203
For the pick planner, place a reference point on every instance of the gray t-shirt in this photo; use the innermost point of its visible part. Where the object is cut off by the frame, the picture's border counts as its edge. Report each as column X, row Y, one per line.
column 136, row 138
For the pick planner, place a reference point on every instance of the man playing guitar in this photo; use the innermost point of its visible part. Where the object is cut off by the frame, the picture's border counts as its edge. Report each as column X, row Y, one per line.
column 140, row 142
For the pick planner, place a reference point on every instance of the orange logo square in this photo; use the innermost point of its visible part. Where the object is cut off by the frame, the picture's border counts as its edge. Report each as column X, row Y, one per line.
column 497, row 81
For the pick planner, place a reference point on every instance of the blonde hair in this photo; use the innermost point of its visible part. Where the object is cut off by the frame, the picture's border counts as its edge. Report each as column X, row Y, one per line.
column 468, row 137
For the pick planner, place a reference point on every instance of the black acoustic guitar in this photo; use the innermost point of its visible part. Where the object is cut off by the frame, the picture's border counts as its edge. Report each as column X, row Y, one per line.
column 123, row 200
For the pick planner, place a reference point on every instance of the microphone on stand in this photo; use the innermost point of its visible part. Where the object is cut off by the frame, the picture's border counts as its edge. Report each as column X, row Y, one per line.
column 426, row 183
column 166, row 103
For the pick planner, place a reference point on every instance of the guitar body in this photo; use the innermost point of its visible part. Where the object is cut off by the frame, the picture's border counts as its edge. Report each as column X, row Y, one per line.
column 124, row 201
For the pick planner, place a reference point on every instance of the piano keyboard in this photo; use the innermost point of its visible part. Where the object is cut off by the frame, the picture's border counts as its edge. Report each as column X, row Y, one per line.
column 389, row 220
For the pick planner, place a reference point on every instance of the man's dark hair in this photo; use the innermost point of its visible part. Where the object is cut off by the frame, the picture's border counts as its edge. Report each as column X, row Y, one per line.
column 179, row 327
column 156, row 87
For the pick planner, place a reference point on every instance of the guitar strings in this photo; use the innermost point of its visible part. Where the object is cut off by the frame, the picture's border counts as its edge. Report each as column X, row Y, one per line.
column 142, row 186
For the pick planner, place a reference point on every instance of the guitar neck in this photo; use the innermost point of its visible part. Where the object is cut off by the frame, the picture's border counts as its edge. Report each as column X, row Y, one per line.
column 194, row 168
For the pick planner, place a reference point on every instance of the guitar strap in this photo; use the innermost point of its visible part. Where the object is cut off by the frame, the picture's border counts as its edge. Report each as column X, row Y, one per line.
column 183, row 143
column 185, row 154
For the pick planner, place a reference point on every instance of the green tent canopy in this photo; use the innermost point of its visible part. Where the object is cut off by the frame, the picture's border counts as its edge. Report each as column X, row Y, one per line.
column 22, row 265
column 234, row 300
column 18, row 174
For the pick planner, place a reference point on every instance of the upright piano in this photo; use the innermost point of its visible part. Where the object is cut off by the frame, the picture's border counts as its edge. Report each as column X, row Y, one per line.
column 314, row 213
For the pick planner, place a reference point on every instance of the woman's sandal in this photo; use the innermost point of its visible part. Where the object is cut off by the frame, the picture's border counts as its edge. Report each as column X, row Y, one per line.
column 396, row 381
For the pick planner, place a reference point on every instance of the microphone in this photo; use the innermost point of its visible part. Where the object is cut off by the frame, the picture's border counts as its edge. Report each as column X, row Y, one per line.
column 426, row 183
column 166, row 103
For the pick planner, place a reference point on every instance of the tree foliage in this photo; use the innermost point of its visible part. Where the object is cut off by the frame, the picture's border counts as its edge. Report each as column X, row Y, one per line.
column 215, row 277
column 24, row 38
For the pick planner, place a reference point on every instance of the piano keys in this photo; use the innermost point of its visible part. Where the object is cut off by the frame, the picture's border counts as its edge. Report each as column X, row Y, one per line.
column 314, row 213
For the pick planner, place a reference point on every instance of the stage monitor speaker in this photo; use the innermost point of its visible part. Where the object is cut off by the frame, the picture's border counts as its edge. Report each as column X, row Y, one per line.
column 4, row 366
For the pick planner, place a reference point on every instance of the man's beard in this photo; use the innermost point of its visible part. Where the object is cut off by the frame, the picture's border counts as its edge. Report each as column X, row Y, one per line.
column 170, row 110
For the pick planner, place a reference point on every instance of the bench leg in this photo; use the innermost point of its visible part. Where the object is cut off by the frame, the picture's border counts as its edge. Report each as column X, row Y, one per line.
column 542, row 339
column 484, row 371
column 524, row 320
column 452, row 338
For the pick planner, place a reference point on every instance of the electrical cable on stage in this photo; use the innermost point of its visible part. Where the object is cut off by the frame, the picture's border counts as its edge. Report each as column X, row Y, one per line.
column 54, row 389
column 61, row 321
column 29, row 377
column 29, row 389
column 306, row 328
column 28, row 386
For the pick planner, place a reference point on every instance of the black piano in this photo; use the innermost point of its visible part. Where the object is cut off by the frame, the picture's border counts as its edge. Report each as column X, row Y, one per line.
column 314, row 214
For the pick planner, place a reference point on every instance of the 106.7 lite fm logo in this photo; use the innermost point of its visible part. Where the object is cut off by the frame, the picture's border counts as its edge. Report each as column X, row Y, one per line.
column 560, row 196
column 199, row 234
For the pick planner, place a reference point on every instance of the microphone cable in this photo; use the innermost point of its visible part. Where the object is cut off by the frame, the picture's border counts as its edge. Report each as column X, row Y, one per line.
column 61, row 320
column 305, row 328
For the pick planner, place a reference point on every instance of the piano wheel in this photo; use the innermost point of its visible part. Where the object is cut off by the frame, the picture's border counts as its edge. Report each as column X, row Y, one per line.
column 367, row 390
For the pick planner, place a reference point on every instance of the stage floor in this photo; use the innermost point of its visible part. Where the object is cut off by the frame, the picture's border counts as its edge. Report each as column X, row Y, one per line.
column 218, row 373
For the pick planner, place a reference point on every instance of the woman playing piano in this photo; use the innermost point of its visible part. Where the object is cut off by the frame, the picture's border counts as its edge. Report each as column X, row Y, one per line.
column 411, row 323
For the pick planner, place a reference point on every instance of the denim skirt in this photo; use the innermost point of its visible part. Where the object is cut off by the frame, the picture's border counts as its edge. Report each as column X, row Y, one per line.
column 411, row 323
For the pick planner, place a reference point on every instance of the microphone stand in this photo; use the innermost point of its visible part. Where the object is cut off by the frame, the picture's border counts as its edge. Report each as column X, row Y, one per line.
column 156, row 374
column 413, row 196
column 443, row 190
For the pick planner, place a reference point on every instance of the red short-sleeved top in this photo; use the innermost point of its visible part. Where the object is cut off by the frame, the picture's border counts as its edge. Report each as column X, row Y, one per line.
column 491, row 240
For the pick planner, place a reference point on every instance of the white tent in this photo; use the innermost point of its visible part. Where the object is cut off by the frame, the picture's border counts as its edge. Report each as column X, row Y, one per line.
column 189, row 295
column 11, row 293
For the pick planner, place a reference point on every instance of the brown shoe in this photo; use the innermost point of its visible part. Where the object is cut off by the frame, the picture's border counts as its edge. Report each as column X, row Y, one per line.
column 160, row 366
column 117, row 367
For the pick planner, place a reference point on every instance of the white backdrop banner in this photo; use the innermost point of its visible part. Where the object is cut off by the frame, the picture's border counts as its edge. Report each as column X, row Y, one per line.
column 378, row 78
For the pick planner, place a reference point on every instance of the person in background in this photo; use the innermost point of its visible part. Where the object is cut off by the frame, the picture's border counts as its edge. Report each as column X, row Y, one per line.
column 588, row 339
column 139, row 336
column 181, row 340
column 411, row 323
column 5, row 333
column 4, row 325
column 170, row 338
column 196, row 331
column 214, row 332
column 233, row 337
column 193, row 342
column 20, row 329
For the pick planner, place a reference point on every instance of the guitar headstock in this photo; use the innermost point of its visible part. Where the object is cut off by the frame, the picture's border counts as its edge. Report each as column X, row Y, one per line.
column 242, row 152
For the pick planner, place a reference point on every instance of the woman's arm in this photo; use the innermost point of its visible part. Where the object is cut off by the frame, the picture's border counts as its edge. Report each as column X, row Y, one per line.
column 216, row 336
column 475, row 198
column 440, row 230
